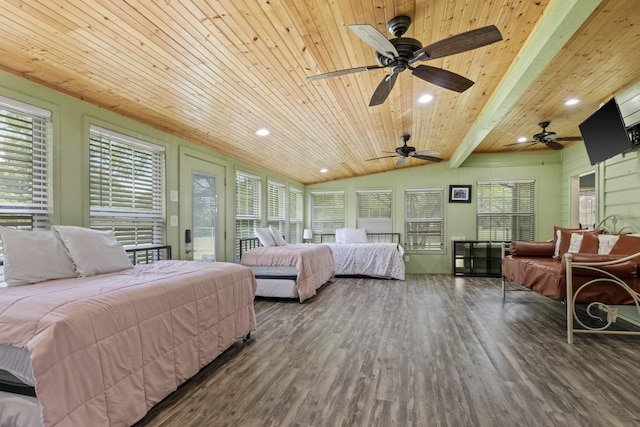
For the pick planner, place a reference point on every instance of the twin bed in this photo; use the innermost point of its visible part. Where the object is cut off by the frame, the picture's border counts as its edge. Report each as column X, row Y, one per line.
column 280, row 269
column 103, row 348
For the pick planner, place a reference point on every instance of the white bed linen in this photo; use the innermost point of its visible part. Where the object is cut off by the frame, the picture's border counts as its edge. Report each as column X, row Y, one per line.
column 16, row 361
column 369, row 259
column 17, row 410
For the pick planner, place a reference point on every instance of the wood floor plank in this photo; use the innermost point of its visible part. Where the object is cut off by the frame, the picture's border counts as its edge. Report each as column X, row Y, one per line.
column 434, row 350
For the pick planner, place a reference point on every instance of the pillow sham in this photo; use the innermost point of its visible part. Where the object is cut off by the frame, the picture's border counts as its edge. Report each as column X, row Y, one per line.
column 92, row 251
column 590, row 244
column 277, row 237
column 355, row 235
column 564, row 240
column 33, row 256
column 340, row 235
column 627, row 245
column 265, row 237
column 606, row 243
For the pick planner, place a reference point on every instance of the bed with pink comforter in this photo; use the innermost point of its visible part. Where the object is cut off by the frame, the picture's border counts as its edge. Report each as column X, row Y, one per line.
column 314, row 263
column 105, row 349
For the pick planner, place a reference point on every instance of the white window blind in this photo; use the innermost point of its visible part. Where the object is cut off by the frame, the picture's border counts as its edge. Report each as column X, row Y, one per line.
column 327, row 211
column 277, row 199
column 126, row 186
column 424, row 219
column 248, row 202
column 374, row 211
column 25, row 141
column 295, row 215
column 505, row 210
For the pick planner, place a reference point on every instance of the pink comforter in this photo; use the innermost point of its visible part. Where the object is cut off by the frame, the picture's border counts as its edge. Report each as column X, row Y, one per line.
column 313, row 261
column 105, row 349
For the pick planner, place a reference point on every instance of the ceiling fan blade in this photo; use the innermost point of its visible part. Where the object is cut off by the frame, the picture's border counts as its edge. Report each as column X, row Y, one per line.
column 425, row 157
column 343, row 72
column 383, row 90
column 374, row 38
column 569, row 138
column 426, row 153
column 383, row 157
column 442, row 78
column 401, row 161
column 521, row 143
column 459, row 43
column 554, row 145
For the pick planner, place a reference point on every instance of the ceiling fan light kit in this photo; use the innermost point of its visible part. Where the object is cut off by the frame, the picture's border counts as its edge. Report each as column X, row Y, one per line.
column 400, row 53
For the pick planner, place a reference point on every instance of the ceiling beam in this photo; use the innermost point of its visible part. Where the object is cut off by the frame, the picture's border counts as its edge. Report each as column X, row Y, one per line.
column 554, row 30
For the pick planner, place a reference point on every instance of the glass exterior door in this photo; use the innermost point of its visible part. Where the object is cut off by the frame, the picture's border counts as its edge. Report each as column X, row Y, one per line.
column 205, row 213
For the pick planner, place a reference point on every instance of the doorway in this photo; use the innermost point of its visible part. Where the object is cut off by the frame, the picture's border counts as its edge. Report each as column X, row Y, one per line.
column 202, row 209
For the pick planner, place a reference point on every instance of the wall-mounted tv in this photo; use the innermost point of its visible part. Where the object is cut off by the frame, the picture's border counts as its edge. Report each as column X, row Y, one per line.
column 605, row 134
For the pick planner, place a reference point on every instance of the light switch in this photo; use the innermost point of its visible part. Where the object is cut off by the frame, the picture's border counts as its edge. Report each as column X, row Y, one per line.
column 173, row 220
column 173, row 196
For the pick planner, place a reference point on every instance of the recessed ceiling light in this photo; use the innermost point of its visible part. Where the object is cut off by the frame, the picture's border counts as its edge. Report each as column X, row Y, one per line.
column 572, row 101
column 523, row 139
column 425, row 99
column 324, row 170
column 262, row 132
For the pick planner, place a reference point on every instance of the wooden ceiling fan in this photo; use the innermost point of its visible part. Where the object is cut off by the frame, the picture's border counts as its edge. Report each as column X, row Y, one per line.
column 400, row 53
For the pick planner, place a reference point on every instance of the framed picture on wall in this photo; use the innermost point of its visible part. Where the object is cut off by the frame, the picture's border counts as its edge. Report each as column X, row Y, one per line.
column 460, row 193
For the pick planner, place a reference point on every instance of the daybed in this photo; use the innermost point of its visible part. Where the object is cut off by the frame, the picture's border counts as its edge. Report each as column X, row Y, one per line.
column 99, row 347
column 286, row 270
column 593, row 268
column 358, row 253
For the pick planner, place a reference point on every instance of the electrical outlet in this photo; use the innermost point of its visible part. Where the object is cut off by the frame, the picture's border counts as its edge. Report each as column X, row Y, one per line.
column 173, row 195
column 173, row 220
column 406, row 258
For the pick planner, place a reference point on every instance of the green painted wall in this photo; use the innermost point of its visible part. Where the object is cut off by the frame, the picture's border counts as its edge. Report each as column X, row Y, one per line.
column 71, row 119
column 460, row 218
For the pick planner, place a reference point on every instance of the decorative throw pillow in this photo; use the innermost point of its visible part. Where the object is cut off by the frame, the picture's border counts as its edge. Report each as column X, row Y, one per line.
column 340, row 235
column 606, row 243
column 590, row 244
column 564, row 239
column 355, row 235
column 575, row 242
column 557, row 232
column 265, row 237
column 627, row 245
column 93, row 251
column 33, row 256
column 277, row 236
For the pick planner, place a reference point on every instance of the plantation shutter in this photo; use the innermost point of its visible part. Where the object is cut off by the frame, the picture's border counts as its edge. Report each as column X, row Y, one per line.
column 327, row 212
column 424, row 219
column 248, row 202
column 276, row 205
column 126, row 186
column 374, row 211
column 295, row 215
column 505, row 210
column 25, row 140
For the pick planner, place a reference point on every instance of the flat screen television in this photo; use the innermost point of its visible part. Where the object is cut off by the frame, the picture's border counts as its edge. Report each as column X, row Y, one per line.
column 605, row 134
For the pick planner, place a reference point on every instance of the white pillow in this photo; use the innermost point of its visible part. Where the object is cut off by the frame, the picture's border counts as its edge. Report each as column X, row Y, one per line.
column 265, row 237
column 556, row 250
column 340, row 235
column 33, row 256
column 93, row 251
column 575, row 242
column 277, row 237
column 606, row 243
column 355, row 235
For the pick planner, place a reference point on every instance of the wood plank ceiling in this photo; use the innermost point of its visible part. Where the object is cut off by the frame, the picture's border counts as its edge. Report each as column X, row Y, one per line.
column 213, row 72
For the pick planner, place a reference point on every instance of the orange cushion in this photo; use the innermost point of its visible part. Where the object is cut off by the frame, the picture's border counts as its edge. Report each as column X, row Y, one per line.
column 627, row 245
column 565, row 239
column 590, row 243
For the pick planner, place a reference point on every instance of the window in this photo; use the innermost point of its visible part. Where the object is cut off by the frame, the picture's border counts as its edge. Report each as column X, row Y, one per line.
column 327, row 212
column 374, row 211
column 505, row 210
column 424, row 219
column 248, row 202
column 277, row 200
column 295, row 215
column 25, row 141
column 126, row 187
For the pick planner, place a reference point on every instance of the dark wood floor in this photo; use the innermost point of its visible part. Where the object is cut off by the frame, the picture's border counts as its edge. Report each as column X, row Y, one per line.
column 434, row 350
